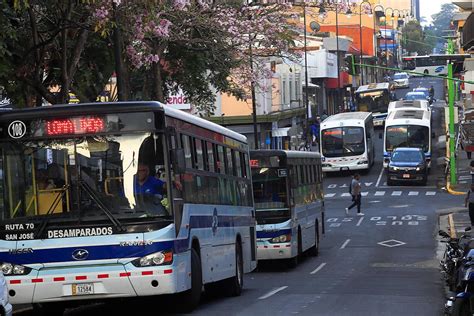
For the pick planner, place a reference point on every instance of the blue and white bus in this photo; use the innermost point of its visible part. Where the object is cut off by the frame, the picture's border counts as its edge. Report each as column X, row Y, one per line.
column 406, row 127
column 288, row 195
column 117, row 200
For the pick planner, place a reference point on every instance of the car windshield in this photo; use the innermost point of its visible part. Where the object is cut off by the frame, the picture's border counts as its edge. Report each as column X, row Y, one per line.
column 407, row 156
column 343, row 141
column 407, row 136
column 87, row 178
column 415, row 96
column 400, row 76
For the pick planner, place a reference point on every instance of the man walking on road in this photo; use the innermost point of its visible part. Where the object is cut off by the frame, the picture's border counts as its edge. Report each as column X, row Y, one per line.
column 355, row 191
column 469, row 202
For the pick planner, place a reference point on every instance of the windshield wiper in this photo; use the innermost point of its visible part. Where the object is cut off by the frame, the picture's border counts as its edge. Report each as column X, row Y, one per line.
column 51, row 209
column 101, row 205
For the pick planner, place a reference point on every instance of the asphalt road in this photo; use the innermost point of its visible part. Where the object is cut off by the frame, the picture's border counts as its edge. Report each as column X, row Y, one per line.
column 382, row 263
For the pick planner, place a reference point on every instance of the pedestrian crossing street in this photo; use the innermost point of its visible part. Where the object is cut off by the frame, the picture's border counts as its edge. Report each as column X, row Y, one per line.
column 383, row 193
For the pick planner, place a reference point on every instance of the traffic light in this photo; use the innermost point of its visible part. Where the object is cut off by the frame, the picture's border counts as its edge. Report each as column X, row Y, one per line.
column 349, row 62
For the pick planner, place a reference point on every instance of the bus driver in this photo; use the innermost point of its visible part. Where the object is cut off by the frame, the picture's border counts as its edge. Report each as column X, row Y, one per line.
column 149, row 190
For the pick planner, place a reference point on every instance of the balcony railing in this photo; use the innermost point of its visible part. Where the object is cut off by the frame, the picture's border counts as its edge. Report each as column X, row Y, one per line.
column 468, row 33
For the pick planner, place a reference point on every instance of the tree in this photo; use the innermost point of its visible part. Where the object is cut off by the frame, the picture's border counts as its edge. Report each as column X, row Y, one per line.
column 194, row 46
column 442, row 19
column 415, row 40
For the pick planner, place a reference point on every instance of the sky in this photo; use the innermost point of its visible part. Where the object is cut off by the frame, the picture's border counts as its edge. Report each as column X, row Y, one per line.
column 430, row 7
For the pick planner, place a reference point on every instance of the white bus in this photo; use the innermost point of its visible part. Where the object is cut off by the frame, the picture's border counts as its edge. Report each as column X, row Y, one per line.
column 288, row 195
column 407, row 128
column 84, row 215
column 433, row 64
column 374, row 98
column 347, row 142
column 408, row 104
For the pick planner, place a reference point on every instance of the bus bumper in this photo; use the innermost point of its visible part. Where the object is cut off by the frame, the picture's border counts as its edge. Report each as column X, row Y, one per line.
column 108, row 281
column 335, row 168
column 269, row 251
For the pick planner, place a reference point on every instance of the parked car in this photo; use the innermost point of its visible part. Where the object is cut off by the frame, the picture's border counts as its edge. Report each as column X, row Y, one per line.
column 406, row 165
column 5, row 306
column 400, row 80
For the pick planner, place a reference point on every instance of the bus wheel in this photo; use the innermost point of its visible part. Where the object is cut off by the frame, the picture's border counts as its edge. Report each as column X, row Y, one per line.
column 235, row 284
column 314, row 251
column 48, row 309
column 426, row 71
column 189, row 300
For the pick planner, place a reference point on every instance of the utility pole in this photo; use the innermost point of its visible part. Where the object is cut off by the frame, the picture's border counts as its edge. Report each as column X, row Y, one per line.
column 452, row 135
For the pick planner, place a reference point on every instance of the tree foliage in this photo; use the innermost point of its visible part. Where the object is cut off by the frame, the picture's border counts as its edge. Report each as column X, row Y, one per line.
column 53, row 47
column 415, row 40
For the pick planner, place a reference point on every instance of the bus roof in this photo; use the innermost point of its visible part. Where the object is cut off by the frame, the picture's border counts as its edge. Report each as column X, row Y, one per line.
column 116, row 107
column 415, row 104
column 346, row 119
column 409, row 116
column 287, row 153
column 373, row 86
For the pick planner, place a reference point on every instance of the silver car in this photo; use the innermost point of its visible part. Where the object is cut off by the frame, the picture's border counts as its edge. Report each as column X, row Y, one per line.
column 5, row 306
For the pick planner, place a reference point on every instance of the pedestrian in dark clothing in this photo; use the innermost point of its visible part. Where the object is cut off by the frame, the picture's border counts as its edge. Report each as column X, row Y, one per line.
column 469, row 202
column 315, row 129
column 355, row 191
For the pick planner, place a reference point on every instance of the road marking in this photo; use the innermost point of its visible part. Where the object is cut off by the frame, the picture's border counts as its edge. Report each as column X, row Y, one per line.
column 379, row 193
column 391, row 243
column 345, row 244
column 400, row 206
column 328, row 195
column 272, row 292
column 413, row 193
column 345, row 194
column 396, row 193
column 375, row 201
column 318, row 268
column 380, row 177
column 364, row 193
column 430, row 193
column 360, row 221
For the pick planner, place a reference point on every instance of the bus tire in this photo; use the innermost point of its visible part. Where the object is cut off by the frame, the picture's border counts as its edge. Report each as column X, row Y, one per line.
column 292, row 262
column 314, row 251
column 390, row 182
column 426, row 72
column 234, row 285
column 189, row 300
column 48, row 309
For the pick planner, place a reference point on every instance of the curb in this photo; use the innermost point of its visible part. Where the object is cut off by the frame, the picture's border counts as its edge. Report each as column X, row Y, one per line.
column 452, row 229
column 451, row 191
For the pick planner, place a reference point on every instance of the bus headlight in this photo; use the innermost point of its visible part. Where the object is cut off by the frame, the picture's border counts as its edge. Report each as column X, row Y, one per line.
column 14, row 269
column 155, row 259
column 281, row 238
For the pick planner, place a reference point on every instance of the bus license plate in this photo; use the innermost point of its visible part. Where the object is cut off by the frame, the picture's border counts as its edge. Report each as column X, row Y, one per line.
column 406, row 176
column 83, row 289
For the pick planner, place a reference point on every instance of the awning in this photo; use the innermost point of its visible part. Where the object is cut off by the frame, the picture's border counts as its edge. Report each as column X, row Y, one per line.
column 280, row 132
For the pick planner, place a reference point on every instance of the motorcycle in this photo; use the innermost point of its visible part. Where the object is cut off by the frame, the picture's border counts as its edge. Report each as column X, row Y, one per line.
column 452, row 258
column 463, row 303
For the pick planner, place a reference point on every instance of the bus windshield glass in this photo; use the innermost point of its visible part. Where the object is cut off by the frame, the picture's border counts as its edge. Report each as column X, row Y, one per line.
column 407, row 136
column 269, row 187
column 91, row 178
column 375, row 101
column 343, row 141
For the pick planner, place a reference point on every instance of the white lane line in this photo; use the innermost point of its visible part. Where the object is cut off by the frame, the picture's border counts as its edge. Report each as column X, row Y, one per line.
column 380, row 177
column 329, row 195
column 430, row 193
column 364, row 193
column 379, row 193
column 272, row 292
column 345, row 244
column 396, row 193
column 360, row 221
column 345, row 194
column 318, row 268
column 413, row 193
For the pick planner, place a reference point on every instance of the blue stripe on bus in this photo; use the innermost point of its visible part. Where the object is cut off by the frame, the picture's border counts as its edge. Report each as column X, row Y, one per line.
column 273, row 234
column 106, row 252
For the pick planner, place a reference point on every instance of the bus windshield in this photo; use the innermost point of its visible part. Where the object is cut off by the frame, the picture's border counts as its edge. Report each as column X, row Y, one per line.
column 373, row 101
column 90, row 178
column 343, row 141
column 269, row 187
column 407, row 136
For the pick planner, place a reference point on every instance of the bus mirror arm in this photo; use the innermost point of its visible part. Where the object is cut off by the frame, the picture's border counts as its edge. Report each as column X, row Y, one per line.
column 179, row 162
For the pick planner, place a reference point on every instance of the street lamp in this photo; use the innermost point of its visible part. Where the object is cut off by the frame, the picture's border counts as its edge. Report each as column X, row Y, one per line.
column 377, row 14
column 306, row 95
column 395, row 51
column 360, row 40
column 385, row 37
